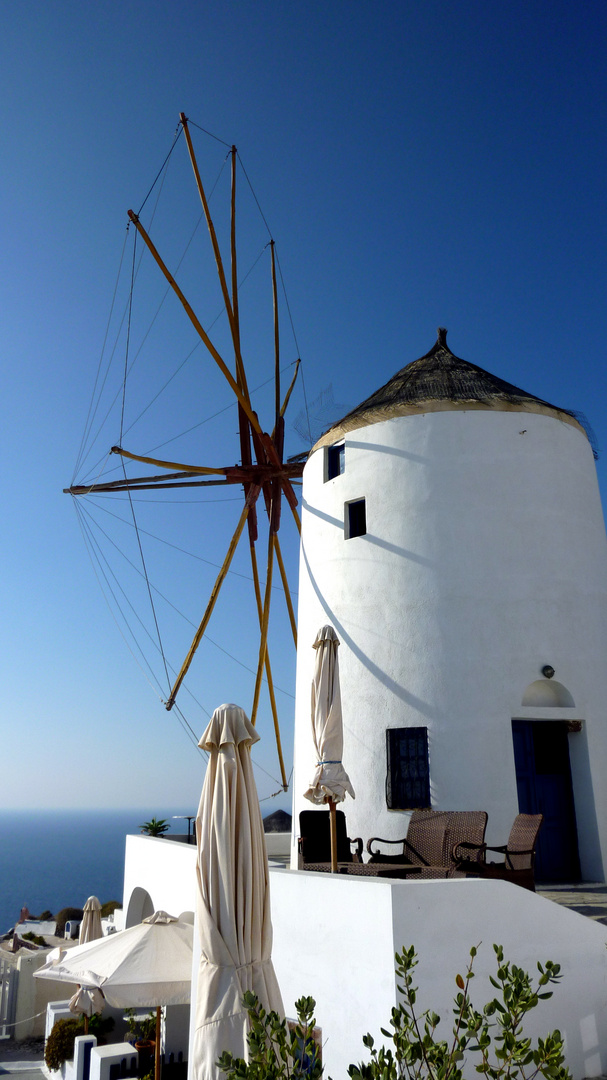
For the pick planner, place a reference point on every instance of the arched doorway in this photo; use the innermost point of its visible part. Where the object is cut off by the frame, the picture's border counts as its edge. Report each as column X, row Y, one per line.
column 543, row 780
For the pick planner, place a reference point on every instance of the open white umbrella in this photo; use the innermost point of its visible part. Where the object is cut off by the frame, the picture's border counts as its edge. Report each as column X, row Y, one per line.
column 233, row 903
column 330, row 782
column 145, row 966
column 90, row 927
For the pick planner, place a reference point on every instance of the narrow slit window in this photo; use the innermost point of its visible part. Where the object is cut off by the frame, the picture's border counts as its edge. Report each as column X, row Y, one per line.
column 355, row 519
column 335, row 461
column 408, row 773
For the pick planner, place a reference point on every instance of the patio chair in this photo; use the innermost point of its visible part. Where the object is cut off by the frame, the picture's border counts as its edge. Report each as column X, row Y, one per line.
column 314, row 844
column 430, row 841
column 519, row 854
column 424, row 844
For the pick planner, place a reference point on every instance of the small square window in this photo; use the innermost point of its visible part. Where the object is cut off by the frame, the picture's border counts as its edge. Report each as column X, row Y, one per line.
column 355, row 519
column 408, row 776
column 335, row 461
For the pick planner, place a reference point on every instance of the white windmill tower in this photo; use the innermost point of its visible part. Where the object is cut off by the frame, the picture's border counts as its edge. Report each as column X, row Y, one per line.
column 452, row 533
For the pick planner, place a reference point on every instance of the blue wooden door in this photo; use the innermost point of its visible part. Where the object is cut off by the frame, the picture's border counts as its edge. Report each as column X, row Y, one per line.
column 543, row 780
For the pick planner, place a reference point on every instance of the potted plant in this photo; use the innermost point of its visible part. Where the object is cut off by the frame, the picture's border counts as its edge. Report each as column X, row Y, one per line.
column 155, row 827
column 141, row 1030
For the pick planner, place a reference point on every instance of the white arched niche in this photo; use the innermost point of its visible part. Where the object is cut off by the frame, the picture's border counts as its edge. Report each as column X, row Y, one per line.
column 547, row 694
column 139, row 908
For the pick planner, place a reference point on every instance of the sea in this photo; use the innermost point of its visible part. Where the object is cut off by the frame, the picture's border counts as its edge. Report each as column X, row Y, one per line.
column 51, row 859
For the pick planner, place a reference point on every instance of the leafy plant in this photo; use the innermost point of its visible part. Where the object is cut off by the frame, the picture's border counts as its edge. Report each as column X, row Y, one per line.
column 140, row 1030
column 59, row 1046
column 277, row 1050
column 60, row 1043
column 155, row 827
column 493, row 1036
column 36, row 939
column 109, row 908
column 65, row 915
column 99, row 1025
column 46, row 915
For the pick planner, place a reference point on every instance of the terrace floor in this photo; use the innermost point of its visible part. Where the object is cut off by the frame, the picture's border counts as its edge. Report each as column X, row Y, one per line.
column 588, row 898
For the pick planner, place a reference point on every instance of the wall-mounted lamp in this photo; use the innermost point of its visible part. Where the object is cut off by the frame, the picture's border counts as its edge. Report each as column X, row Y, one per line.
column 548, row 671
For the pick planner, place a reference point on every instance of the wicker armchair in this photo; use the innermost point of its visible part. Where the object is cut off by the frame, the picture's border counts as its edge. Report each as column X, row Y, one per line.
column 519, row 854
column 430, row 841
column 314, row 844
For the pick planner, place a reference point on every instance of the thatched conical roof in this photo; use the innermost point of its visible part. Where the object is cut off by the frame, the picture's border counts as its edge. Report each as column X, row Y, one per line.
column 439, row 382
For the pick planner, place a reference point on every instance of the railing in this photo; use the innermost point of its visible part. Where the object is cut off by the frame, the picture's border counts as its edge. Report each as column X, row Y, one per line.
column 8, row 998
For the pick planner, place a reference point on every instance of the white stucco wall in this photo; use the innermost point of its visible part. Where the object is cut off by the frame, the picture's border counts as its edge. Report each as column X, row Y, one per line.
column 163, row 872
column 485, row 558
column 335, row 938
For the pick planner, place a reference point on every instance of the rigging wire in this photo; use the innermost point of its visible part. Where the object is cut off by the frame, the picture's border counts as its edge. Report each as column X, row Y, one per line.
column 94, row 554
column 99, row 504
column 90, row 418
column 94, row 550
column 263, row 217
column 139, row 544
column 148, row 586
column 209, row 133
column 118, row 332
column 178, row 131
column 85, row 509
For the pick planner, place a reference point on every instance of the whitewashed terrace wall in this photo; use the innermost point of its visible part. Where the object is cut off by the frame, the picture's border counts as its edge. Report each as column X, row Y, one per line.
column 335, row 938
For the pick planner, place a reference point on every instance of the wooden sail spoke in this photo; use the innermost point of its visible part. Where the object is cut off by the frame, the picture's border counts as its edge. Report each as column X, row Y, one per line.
column 290, row 496
column 242, row 383
column 268, row 671
column 203, row 469
column 209, row 609
column 276, row 508
column 276, row 337
column 287, row 591
column 264, row 628
column 150, row 483
column 290, row 390
column 195, row 322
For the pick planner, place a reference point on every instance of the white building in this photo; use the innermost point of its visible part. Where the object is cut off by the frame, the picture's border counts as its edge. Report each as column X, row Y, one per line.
column 452, row 533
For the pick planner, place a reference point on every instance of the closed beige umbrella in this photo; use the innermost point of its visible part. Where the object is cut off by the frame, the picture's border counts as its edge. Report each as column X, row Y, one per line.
column 86, row 1001
column 90, row 927
column 330, row 782
column 233, row 901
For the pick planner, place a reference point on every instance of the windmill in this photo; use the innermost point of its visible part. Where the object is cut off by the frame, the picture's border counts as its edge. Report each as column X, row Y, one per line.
column 262, row 470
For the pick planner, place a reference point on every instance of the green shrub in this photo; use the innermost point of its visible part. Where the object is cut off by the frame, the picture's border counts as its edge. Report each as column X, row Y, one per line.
column 60, row 1043
column 493, row 1038
column 37, row 939
column 109, row 908
column 65, row 915
column 277, row 1050
column 46, row 915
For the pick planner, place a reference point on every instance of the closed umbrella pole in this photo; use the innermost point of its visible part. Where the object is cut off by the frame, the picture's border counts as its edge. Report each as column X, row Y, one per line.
column 232, row 897
column 333, row 827
column 330, row 782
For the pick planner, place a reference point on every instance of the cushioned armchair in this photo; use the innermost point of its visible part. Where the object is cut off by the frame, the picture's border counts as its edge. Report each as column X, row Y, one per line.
column 519, row 854
column 314, row 845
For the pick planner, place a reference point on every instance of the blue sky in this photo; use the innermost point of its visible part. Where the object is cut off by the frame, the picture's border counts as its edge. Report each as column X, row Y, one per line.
column 419, row 164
